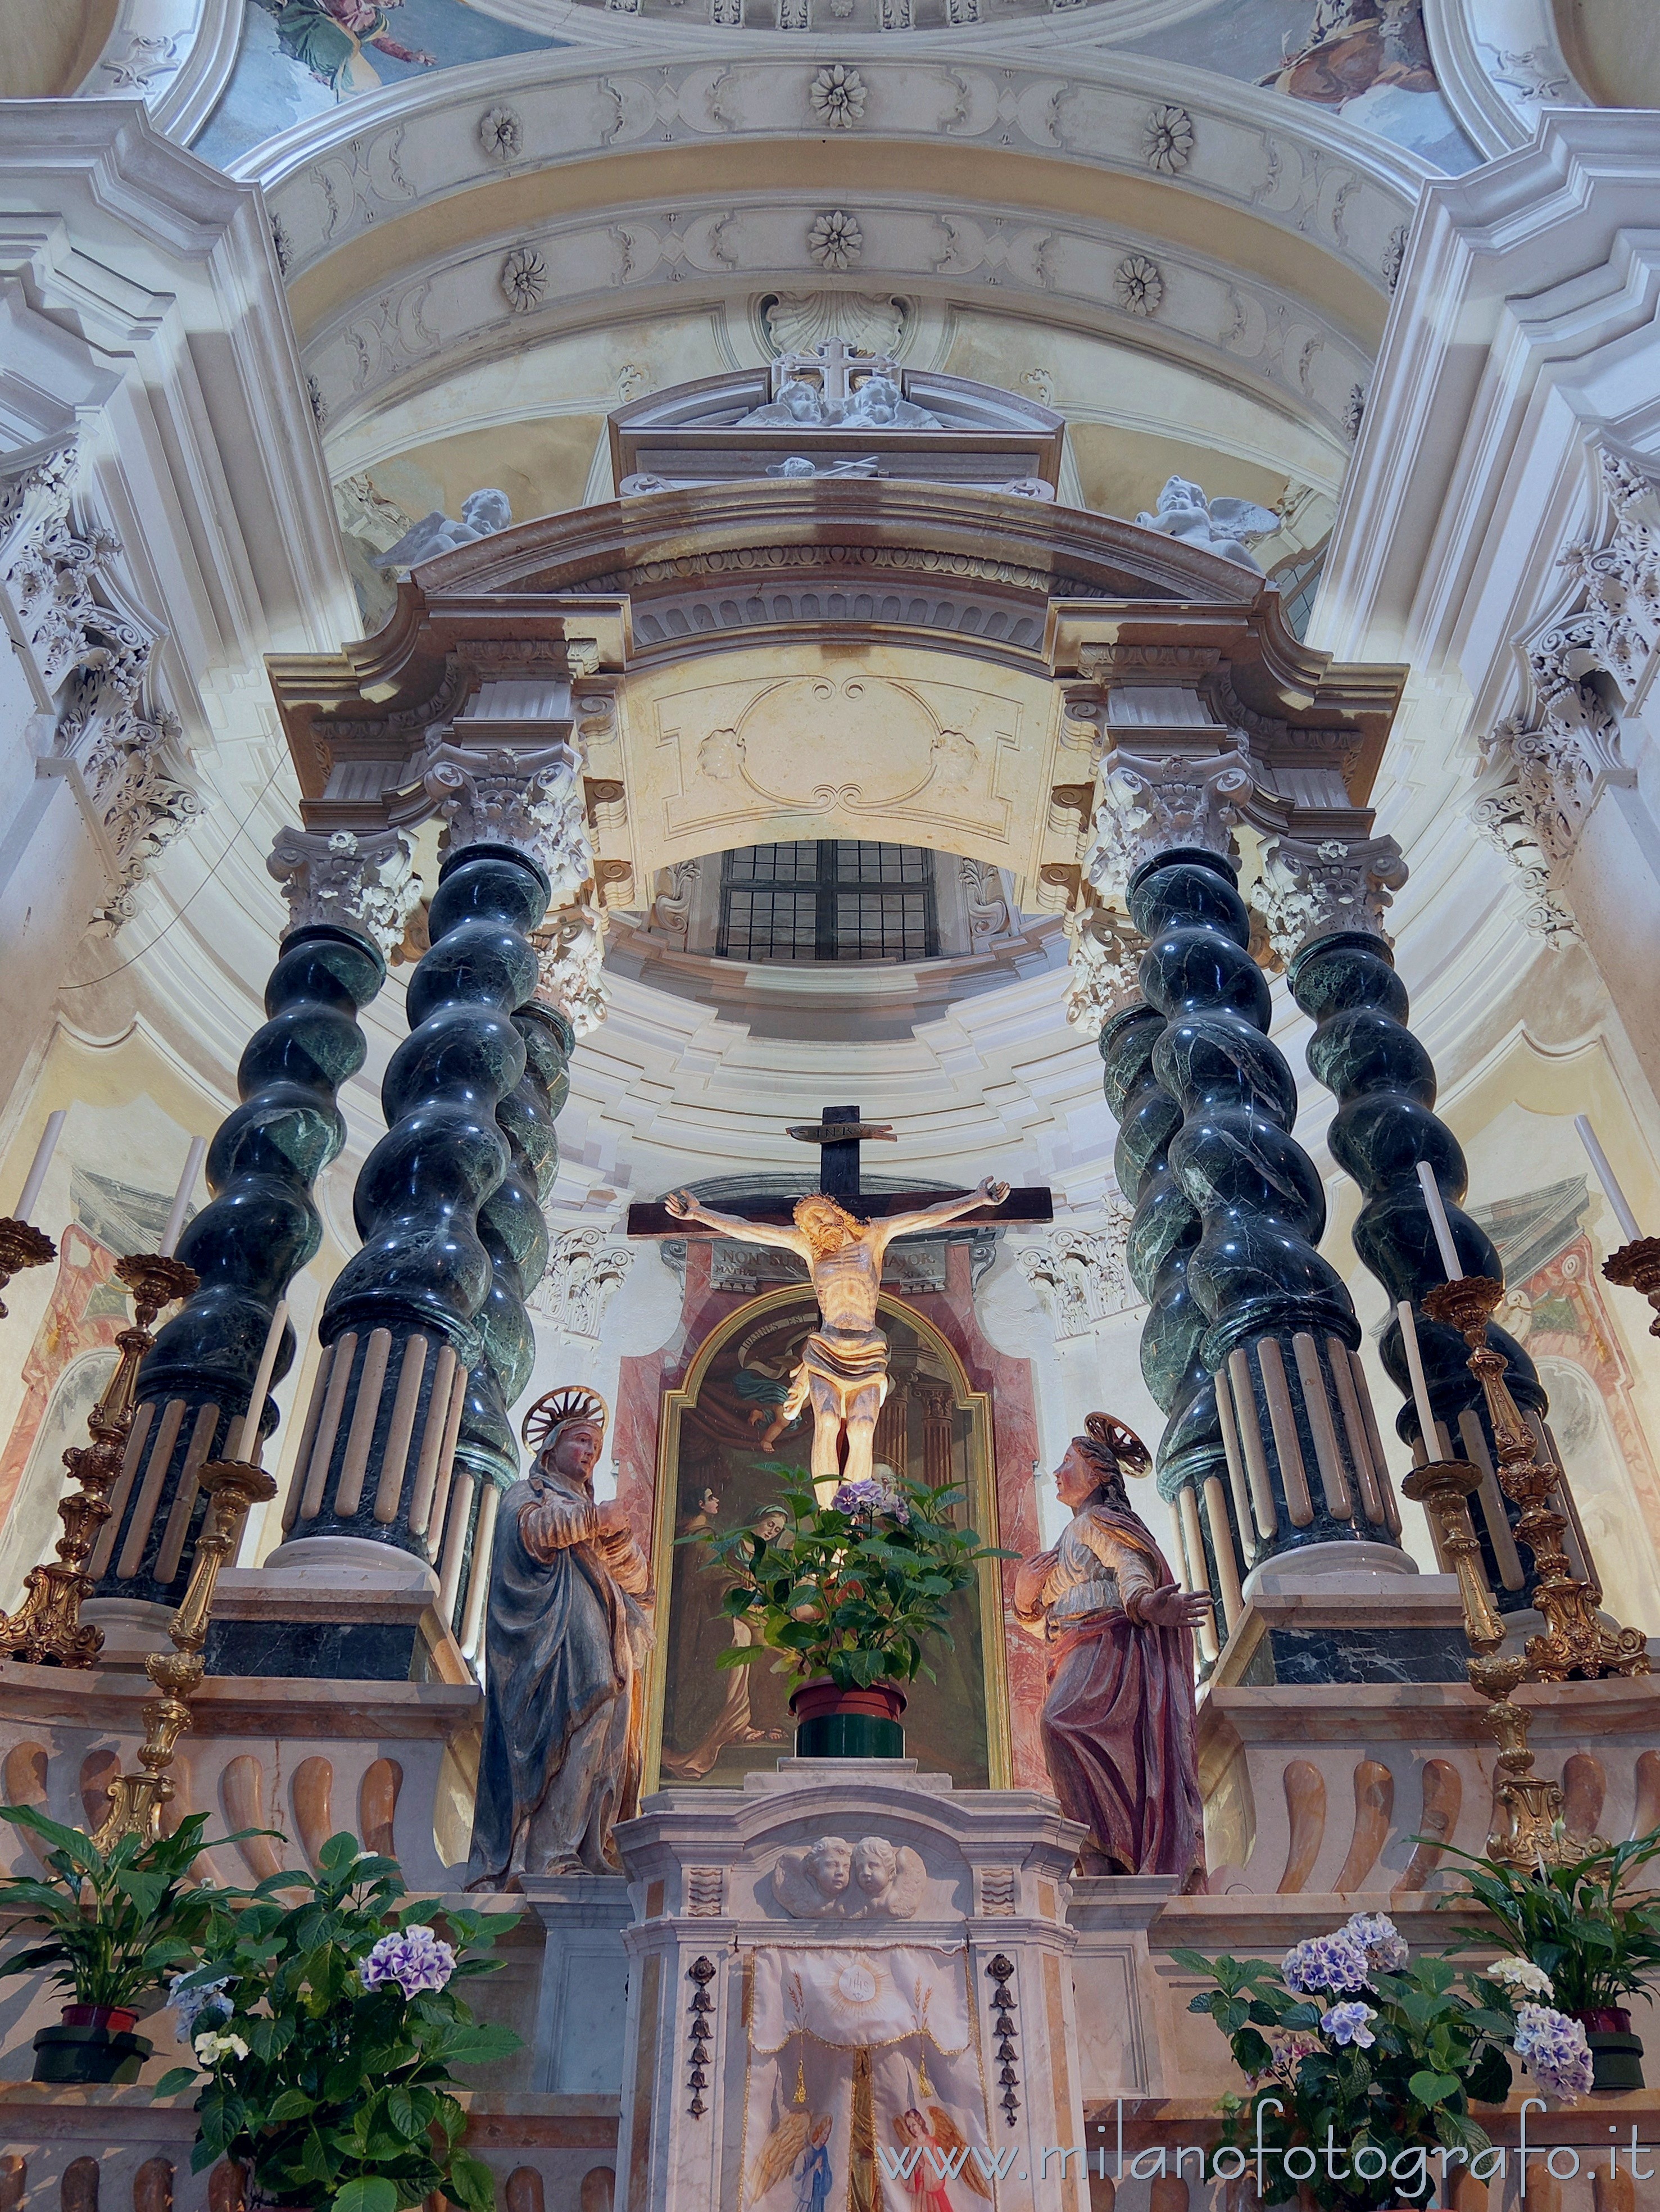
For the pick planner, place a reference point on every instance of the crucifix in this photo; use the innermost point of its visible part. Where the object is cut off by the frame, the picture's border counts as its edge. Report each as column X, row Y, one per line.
column 844, row 1372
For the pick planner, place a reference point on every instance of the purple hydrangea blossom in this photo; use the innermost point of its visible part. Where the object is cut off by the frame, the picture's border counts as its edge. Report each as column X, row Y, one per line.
column 200, row 2005
column 414, row 1958
column 871, row 1497
column 1326, row 1963
column 1377, row 1935
column 1346, row 2023
column 1554, row 2050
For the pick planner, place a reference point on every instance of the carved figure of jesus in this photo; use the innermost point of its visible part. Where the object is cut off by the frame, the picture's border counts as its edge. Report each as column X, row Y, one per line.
column 843, row 1373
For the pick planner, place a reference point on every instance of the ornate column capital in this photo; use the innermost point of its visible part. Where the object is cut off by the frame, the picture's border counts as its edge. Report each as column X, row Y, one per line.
column 529, row 798
column 1311, row 886
column 1152, row 803
column 1103, row 953
column 362, row 881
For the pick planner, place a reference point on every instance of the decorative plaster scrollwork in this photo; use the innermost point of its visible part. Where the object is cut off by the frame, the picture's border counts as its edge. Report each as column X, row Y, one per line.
column 670, row 910
column 1083, row 1274
column 584, row 1272
column 986, row 895
column 364, row 882
column 1310, row 889
column 1541, row 768
column 1148, row 806
column 1104, row 952
column 531, row 800
column 95, row 658
column 571, row 951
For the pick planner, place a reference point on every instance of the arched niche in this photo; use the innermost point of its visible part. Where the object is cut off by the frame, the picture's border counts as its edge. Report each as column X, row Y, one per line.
column 708, row 1440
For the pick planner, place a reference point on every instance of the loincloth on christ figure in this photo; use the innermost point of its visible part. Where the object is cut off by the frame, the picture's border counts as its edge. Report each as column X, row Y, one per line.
column 848, row 1359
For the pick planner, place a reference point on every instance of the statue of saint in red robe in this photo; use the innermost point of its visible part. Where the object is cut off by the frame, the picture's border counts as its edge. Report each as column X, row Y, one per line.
column 1120, row 1730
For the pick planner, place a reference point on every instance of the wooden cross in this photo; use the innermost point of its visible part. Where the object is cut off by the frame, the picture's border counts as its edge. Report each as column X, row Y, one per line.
column 839, row 1132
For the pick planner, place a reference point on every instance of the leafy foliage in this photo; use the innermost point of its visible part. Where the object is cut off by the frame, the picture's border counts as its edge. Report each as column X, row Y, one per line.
column 856, row 1595
column 1434, row 2052
column 1571, row 1921
column 344, row 2094
column 117, row 1923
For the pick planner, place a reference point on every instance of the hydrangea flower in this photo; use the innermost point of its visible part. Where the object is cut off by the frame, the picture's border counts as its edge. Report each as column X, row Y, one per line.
column 1346, row 2023
column 1554, row 2050
column 1377, row 1935
column 203, row 2000
column 871, row 1497
column 211, row 2048
column 1326, row 1962
column 1522, row 1974
column 414, row 1958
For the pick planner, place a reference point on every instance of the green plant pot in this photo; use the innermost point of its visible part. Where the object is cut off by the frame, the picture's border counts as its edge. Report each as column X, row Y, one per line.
column 88, row 2054
column 832, row 1723
column 1616, row 2060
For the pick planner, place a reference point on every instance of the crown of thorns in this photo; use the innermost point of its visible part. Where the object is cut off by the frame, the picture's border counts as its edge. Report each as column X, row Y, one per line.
column 555, row 1410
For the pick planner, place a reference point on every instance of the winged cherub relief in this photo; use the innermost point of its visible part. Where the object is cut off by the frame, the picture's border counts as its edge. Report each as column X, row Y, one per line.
column 835, row 1879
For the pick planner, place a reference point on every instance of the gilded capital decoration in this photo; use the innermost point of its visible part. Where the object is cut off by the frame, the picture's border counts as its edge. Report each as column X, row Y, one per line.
column 1313, row 887
column 1151, row 804
column 362, row 881
column 530, row 799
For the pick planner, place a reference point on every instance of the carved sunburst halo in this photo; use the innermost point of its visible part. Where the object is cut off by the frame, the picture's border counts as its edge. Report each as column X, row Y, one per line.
column 558, row 1409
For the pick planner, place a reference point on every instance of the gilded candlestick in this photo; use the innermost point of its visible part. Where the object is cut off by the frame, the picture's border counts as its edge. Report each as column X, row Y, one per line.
column 135, row 1800
column 1532, row 1810
column 47, row 1628
column 1577, row 1642
column 21, row 1246
column 1636, row 1267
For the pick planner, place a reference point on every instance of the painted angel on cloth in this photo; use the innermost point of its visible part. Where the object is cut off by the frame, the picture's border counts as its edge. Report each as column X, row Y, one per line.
column 797, row 2150
column 942, row 2156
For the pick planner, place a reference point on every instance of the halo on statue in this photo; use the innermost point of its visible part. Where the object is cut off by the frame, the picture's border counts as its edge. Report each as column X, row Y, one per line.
column 1120, row 1440
column 557, row 1409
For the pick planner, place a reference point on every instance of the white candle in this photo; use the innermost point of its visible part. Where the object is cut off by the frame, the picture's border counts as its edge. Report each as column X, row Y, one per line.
column 248, row 1445
column 1616, row 1197
column 198, row 1146
column 1420, row 1389
column 1439, row 1221
column 43, row 1152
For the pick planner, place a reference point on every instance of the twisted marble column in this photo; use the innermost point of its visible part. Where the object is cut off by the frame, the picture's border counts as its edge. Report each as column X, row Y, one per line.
column 1163, row 1234
column 1323, row 901
column 514, row 1232
column 349, row 898
column 425, row 1333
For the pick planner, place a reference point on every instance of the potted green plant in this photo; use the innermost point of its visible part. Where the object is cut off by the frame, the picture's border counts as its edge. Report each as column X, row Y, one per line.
column 1361, row 2062
column 1589, row 1946
column 847, row 1597
column 115, row 1925
column 325, row 2019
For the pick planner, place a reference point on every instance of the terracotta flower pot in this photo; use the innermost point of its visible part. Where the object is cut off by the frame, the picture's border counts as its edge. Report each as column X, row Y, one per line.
column 835, row 1723
column 117, row 2018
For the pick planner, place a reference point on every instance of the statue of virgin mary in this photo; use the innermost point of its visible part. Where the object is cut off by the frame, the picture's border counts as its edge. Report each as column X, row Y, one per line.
column 565, row 1645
